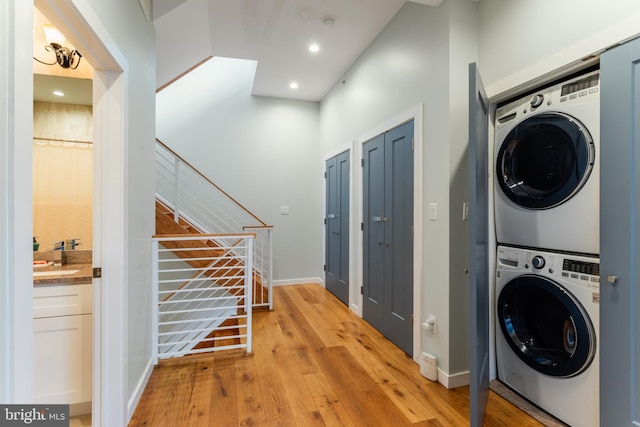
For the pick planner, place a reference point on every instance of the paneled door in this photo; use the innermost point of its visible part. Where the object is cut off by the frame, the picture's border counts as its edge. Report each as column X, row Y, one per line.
column 388, row 234
column 620, row 236
column 478, row 246
column 337, row 226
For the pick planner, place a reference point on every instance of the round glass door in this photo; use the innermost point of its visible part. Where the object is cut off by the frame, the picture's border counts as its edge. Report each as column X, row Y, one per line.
column 546, row 326
column 545, row 160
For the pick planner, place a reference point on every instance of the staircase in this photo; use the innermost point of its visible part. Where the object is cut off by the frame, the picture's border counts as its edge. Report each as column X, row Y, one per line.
column 212, row 262
column 167, row 225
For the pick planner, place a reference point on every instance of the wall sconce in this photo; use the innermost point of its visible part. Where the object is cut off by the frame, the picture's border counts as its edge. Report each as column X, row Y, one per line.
column 65, row 57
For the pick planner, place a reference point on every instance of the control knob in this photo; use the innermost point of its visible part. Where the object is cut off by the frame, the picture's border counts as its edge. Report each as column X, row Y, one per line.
column 536, row 101
column 538, row 262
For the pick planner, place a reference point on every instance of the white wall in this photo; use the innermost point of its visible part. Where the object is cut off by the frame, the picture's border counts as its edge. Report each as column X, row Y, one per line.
column 261, row 151
column 523, row 40
column 411, row 62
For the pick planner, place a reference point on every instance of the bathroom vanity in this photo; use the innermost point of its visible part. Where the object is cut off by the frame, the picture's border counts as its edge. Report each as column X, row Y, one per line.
column 62, row 331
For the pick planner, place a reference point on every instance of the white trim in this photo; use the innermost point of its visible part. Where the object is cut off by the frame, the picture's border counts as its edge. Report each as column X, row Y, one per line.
column 454, row 380
column 415, row 114
column 137, row 394
column 300, row 281
column 110, row 328
column 336, row 151
column 16, row 130
column 85, row 30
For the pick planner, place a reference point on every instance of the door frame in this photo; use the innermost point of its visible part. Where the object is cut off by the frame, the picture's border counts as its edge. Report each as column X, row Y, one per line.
column 356, row 299
column 85, row 30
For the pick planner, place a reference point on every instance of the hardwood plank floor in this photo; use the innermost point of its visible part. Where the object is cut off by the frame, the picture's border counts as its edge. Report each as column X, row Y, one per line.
column 314, row 363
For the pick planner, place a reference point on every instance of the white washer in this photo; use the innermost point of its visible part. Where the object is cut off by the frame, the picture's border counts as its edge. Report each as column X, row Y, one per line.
column 547, row 331
column 546, row 170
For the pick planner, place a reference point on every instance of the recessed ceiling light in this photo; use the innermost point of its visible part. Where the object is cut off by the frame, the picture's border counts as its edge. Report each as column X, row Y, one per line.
column 58, row 93
column 314, row 48
column 293, row 85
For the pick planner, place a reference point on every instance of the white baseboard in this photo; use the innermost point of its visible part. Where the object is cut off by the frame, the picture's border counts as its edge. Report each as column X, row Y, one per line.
column 452, row 381
column 133, row 401
column 301, row 281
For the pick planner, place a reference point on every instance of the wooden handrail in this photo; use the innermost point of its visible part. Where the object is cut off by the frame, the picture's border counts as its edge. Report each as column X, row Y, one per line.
column 175, row 79
column 200, row 236
column 212, row 183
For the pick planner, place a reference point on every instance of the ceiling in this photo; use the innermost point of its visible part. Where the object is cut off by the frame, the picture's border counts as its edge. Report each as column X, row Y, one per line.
column 274, row 33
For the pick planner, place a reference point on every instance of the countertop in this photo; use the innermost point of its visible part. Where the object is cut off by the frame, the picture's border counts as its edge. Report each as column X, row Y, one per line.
column 83, row 276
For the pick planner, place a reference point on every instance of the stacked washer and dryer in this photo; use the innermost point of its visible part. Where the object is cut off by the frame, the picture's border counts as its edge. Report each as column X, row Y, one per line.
column 547, row 230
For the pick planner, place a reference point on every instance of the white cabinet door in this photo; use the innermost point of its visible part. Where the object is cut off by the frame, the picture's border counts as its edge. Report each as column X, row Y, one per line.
column 62, row 359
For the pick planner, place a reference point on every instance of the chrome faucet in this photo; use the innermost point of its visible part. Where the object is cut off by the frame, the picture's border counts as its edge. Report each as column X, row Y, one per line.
column 72, row 243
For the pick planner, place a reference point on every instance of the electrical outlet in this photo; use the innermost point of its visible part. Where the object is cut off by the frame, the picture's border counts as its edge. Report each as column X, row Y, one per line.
column 430, row 324
column 284, row 210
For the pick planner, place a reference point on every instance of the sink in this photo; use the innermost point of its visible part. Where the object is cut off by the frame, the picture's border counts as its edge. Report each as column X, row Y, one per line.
column 54, row 273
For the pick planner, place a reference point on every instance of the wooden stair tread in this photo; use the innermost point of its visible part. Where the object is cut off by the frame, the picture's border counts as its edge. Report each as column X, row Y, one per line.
column 189, row 249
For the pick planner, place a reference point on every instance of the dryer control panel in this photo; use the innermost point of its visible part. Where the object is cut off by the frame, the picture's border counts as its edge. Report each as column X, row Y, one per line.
column 580, row 89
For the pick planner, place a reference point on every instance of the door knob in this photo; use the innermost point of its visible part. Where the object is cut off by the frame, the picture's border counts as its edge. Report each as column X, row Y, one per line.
column 612, row 279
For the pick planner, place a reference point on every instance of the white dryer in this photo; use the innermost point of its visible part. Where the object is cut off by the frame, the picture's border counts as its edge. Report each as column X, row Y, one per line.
column 547, row 331
column 546, row 169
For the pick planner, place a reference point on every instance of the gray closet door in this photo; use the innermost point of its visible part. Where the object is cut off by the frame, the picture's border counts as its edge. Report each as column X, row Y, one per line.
column 388, row 234
column 620, row 236
column 398, row 248
column 337, row 226
column 373, row 229
column 478, row 246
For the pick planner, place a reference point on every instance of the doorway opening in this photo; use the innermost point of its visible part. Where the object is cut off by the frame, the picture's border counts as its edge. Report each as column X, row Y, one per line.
column 63, row 179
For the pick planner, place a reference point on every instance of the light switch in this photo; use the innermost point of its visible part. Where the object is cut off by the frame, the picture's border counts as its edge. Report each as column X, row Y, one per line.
column 433, row 211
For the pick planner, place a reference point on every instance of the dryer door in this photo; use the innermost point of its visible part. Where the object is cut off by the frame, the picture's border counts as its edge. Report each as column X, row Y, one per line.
column 545, row 160
column 546, row 326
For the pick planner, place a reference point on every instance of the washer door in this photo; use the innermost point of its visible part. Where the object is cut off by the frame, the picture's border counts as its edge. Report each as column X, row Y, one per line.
column 546, row 326
column 545, row 160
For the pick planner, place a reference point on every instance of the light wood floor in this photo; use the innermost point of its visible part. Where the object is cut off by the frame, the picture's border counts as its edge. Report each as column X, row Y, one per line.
column 314, row 363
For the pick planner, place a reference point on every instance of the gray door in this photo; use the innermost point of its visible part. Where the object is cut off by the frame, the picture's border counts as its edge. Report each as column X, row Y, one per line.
column 478, row 249
column 388, row 234
column 620, row 236
column 337, row 226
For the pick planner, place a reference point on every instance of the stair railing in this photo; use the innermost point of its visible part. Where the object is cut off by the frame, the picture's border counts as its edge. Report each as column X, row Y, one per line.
column 203, row 294
column 194, row 197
